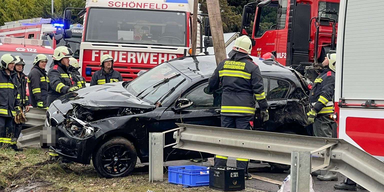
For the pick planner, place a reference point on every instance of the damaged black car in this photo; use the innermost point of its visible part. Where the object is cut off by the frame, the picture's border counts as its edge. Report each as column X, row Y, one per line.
column 110, row 124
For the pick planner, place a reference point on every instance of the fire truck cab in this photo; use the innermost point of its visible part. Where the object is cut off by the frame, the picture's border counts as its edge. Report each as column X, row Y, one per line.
column 139, row 34
column 298, row 32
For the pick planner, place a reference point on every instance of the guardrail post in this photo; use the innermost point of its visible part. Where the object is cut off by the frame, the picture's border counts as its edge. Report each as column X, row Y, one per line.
column 156, row 156
column 300, row 171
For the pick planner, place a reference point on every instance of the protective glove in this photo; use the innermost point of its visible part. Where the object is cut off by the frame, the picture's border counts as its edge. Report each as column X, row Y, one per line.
column 207, row 91
column 264, row 115
column 74, row 88
column 311, row 116
column 40, row 104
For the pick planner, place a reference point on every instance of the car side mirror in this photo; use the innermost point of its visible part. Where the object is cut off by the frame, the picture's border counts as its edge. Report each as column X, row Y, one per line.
column 76, row 55
column 181, row 104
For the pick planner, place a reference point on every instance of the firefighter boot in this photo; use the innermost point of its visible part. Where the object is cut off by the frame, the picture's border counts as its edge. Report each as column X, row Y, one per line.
column 243, row 164
column 347, row 185
column 220, row 161
column 14, row 145
column 329, row 176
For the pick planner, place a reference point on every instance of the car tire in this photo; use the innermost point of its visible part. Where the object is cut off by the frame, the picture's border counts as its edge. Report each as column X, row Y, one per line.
column 115, row 158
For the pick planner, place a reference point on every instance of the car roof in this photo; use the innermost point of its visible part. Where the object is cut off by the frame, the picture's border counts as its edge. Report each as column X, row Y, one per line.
column 202, row 67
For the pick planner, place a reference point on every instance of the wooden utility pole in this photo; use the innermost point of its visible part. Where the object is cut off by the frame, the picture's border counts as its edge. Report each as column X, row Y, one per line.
column 194, row 27
column 216, row 30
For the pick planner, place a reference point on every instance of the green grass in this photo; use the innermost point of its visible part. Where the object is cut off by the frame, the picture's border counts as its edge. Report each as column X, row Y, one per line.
column 19, row 170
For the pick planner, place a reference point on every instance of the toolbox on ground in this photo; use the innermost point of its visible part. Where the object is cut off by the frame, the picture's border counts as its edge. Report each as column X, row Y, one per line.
column 189, row 175
column 226, row 178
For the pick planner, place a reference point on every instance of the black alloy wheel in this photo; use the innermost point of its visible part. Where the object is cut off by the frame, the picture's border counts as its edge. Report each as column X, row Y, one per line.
column 115, row 158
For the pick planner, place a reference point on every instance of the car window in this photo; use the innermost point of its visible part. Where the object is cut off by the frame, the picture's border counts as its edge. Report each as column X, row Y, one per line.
column 200, row 98
column 278, row 89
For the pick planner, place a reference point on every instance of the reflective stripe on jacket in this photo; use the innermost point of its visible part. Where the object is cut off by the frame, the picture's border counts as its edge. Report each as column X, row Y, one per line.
column 101, row 77
column 8, row 94
column 323, row 91
column 241, row 83
column 38, row 87
column 60, row 80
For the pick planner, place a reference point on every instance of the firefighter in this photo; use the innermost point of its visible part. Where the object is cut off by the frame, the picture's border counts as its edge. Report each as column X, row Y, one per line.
column 241, row 84
column 74, row 70
column 106, row 74
column 322, row 109
column 39, row 82
column 60, row 79
column 8, row 103
column 22, row 98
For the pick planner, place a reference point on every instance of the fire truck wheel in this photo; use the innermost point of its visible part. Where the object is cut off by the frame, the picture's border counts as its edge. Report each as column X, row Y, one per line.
column 115, row 158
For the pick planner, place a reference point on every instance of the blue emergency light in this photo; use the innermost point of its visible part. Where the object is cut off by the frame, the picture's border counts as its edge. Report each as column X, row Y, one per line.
column 88, row 71
column 58, row 25
column 176, row 1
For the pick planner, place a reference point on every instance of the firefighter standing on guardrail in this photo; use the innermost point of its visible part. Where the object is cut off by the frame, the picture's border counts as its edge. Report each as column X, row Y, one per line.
column 74, row 70
column 8, row 103
column 106, row 74
column 321, row 97
column 39, row 82
column 242, row 85
column 22, row 98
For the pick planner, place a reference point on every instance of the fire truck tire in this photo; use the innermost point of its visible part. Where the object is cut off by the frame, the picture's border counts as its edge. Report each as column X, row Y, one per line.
column 115, row 158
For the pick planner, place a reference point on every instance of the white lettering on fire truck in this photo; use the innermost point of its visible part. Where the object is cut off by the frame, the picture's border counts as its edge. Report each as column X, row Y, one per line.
column 137, row 5
column 281, row 55
column 26, row 49
column 134, row 57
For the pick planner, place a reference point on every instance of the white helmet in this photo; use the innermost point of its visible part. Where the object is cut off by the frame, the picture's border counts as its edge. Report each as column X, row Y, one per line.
column 40, row 57
column 332, row 61
column 7, row 59
column 105, row 58
column 62, row 52
column 243, row 44
column 74, row 62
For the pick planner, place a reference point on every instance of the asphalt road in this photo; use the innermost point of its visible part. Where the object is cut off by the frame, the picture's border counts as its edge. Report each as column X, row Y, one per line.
column 264, row 170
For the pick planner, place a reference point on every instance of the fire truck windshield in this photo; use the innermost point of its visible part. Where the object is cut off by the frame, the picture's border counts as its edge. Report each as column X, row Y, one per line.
column 136, row 27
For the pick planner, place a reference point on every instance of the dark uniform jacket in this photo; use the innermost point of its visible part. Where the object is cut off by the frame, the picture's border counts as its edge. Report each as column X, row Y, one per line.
column 242, row 84
column 8, row 94
column 38, row 87
column 22, row 97
column 77, row 78
column 322, row 93
column 100, row 77
column 60, row 80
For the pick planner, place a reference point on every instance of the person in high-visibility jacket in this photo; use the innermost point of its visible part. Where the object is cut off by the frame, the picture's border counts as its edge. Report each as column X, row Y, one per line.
column 321, row 99
column 106, row 74
column 39, row 82
column 8, row 102
column 60, row 79
column 242, row 85
column 22, row 98
column 74, row 69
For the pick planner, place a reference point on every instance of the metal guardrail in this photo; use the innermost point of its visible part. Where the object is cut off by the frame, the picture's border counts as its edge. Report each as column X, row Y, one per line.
column 30, row 137
column 323, row 153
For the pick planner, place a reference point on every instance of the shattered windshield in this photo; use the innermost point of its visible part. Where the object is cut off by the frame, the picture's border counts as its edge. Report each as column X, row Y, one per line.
column 156, row 83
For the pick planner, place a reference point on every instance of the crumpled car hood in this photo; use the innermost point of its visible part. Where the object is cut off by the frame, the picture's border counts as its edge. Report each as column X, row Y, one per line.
column 108, row 95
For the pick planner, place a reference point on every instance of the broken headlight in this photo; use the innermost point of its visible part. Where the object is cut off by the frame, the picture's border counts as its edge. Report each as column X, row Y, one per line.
column 80, row 129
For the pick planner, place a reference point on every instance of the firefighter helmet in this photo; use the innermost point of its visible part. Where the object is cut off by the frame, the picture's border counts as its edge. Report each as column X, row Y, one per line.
column 19, row 60
column 268, row 56
column 105, row 58
column 74, row 62
column 7, row 59
column 40, row 57
column 62, row 52
column 332, row 61
column 243, row 44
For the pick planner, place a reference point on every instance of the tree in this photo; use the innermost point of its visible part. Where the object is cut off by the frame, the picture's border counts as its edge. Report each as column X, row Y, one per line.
column 12, row 10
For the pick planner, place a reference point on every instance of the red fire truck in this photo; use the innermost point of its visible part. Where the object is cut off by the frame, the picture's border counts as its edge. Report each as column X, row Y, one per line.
column 139, row 34
column 298, row 32
column 26, row 49
column 43, row 29
column 359, row 92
